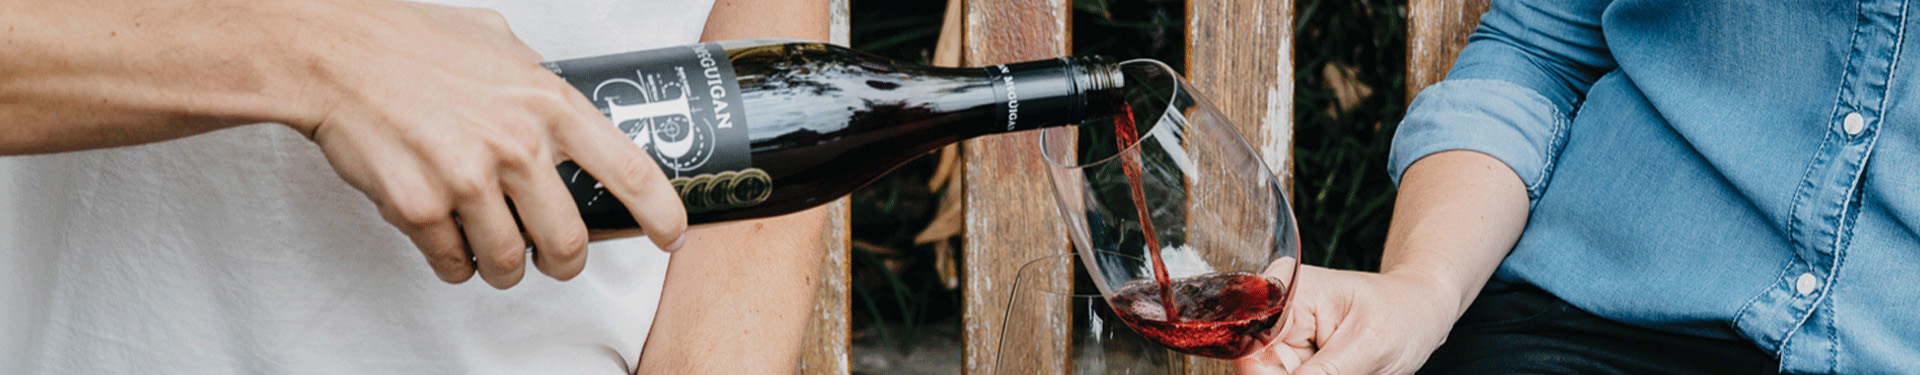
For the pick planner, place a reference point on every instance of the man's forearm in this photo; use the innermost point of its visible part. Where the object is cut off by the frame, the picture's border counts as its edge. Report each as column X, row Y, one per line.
column 91, row 74
column 1457, row 216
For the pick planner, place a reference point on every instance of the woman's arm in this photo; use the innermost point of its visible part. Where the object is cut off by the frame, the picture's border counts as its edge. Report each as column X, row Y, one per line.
column 738, row 298
column 1457, row 215
column 1471, row 154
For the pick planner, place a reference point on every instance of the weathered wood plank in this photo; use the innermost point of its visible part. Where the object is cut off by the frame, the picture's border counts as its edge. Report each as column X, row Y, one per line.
column 1010, row 215
column 1240, row 55
column 1436, row 30
column 826, row 342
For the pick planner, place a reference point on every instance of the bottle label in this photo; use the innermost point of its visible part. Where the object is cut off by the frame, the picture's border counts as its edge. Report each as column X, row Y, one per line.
column 1032, row 94
column 682, row 105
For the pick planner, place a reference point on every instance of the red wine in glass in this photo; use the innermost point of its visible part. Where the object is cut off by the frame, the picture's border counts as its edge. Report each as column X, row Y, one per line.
column 1226, row 315
column 1221, row 315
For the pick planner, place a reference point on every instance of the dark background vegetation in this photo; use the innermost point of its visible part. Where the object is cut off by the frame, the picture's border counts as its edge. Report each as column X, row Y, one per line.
column 1349, row 85
column 1349, row 93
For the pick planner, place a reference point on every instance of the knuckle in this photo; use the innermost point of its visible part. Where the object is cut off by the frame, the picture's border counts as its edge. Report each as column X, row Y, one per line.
column 640, row 174
column 501, row 279
column 507, row 259
column 417, row 214
column 567, row 245
column 450, row 262
column 488, row 17
column 514, row 152
column 550, row 97
column 467, row 184
column 556, row 105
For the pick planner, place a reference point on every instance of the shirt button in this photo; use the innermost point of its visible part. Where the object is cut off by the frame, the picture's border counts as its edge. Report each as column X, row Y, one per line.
column 1853, row 124
column 1806, row 284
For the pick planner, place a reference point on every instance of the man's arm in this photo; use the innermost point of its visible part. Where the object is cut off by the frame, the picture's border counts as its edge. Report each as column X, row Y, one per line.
column 737, row 300
column 433, row 112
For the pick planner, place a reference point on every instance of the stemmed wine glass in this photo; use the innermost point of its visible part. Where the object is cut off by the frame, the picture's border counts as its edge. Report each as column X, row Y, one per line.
column 1057, row 323
column 1182, row 189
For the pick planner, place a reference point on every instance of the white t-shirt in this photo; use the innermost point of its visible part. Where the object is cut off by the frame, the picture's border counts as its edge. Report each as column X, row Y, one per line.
column 240, row 251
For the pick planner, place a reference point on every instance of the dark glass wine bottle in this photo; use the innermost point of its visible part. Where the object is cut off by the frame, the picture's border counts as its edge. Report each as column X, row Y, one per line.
column 756, row 128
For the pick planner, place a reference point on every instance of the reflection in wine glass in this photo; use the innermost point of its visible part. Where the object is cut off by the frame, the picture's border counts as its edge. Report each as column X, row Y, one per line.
column 1051, row 329
column 1182, row 187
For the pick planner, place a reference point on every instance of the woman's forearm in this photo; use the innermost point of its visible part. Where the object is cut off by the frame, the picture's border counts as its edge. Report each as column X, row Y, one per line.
column 1456, row 217
column 91, row 74
column 738, row 296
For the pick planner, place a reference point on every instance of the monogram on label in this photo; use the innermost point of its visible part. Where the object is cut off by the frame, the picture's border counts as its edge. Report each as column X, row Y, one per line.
column 655, row 110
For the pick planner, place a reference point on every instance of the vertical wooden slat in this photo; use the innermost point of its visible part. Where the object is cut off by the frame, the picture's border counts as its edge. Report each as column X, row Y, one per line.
column 826, row 342
column 1010, row 214
column 1240, row 55
column 1436, row 30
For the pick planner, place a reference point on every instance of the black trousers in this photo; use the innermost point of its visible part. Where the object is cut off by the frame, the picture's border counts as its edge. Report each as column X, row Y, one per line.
column 1523, row 330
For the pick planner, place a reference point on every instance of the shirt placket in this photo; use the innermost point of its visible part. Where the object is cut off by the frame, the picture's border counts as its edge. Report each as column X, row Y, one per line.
column 1787, row 317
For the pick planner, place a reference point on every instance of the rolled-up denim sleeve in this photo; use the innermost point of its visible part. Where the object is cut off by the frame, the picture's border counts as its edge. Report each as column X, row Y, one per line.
column 1513, row 89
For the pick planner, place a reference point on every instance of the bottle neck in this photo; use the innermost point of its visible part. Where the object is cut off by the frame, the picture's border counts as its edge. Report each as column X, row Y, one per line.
column 1054, row 92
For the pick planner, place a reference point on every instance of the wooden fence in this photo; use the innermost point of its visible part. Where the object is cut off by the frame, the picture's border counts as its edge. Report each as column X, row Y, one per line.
column 1239, row 52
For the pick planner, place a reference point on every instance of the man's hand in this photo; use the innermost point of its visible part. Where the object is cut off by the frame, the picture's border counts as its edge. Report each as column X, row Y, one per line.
column 441, row 115
column 1345, row 322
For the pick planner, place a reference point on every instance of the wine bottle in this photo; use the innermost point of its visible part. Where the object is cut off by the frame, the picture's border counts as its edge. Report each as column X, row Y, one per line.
column 756, row 128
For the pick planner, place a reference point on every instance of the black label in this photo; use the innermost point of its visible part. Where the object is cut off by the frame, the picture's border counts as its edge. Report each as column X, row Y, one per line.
column 682, row 105
column 1033, row 94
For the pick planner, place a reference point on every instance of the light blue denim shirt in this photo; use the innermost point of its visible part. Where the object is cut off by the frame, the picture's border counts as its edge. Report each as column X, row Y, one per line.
column 1736, row 169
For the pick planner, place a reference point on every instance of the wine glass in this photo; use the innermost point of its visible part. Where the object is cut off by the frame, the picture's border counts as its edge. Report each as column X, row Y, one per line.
column 1183, row 188
column 1052, row 327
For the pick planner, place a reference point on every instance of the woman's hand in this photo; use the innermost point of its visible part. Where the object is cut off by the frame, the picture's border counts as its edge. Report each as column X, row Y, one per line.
column 440, row 115
column 1457, row 215
column 1346, row 322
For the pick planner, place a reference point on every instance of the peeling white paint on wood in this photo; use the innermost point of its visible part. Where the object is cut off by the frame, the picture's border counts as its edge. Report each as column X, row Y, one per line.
column 972, row 44
column 1277, row 125
column 827, row 339
column 1436, row 31
column 1060, row 38
column 839, row 31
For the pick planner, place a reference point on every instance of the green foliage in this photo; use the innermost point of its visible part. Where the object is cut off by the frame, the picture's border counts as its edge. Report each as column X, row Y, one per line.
column 1343, row 191
column 1129, row 29
column 894, row 283
column 1343, row 195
